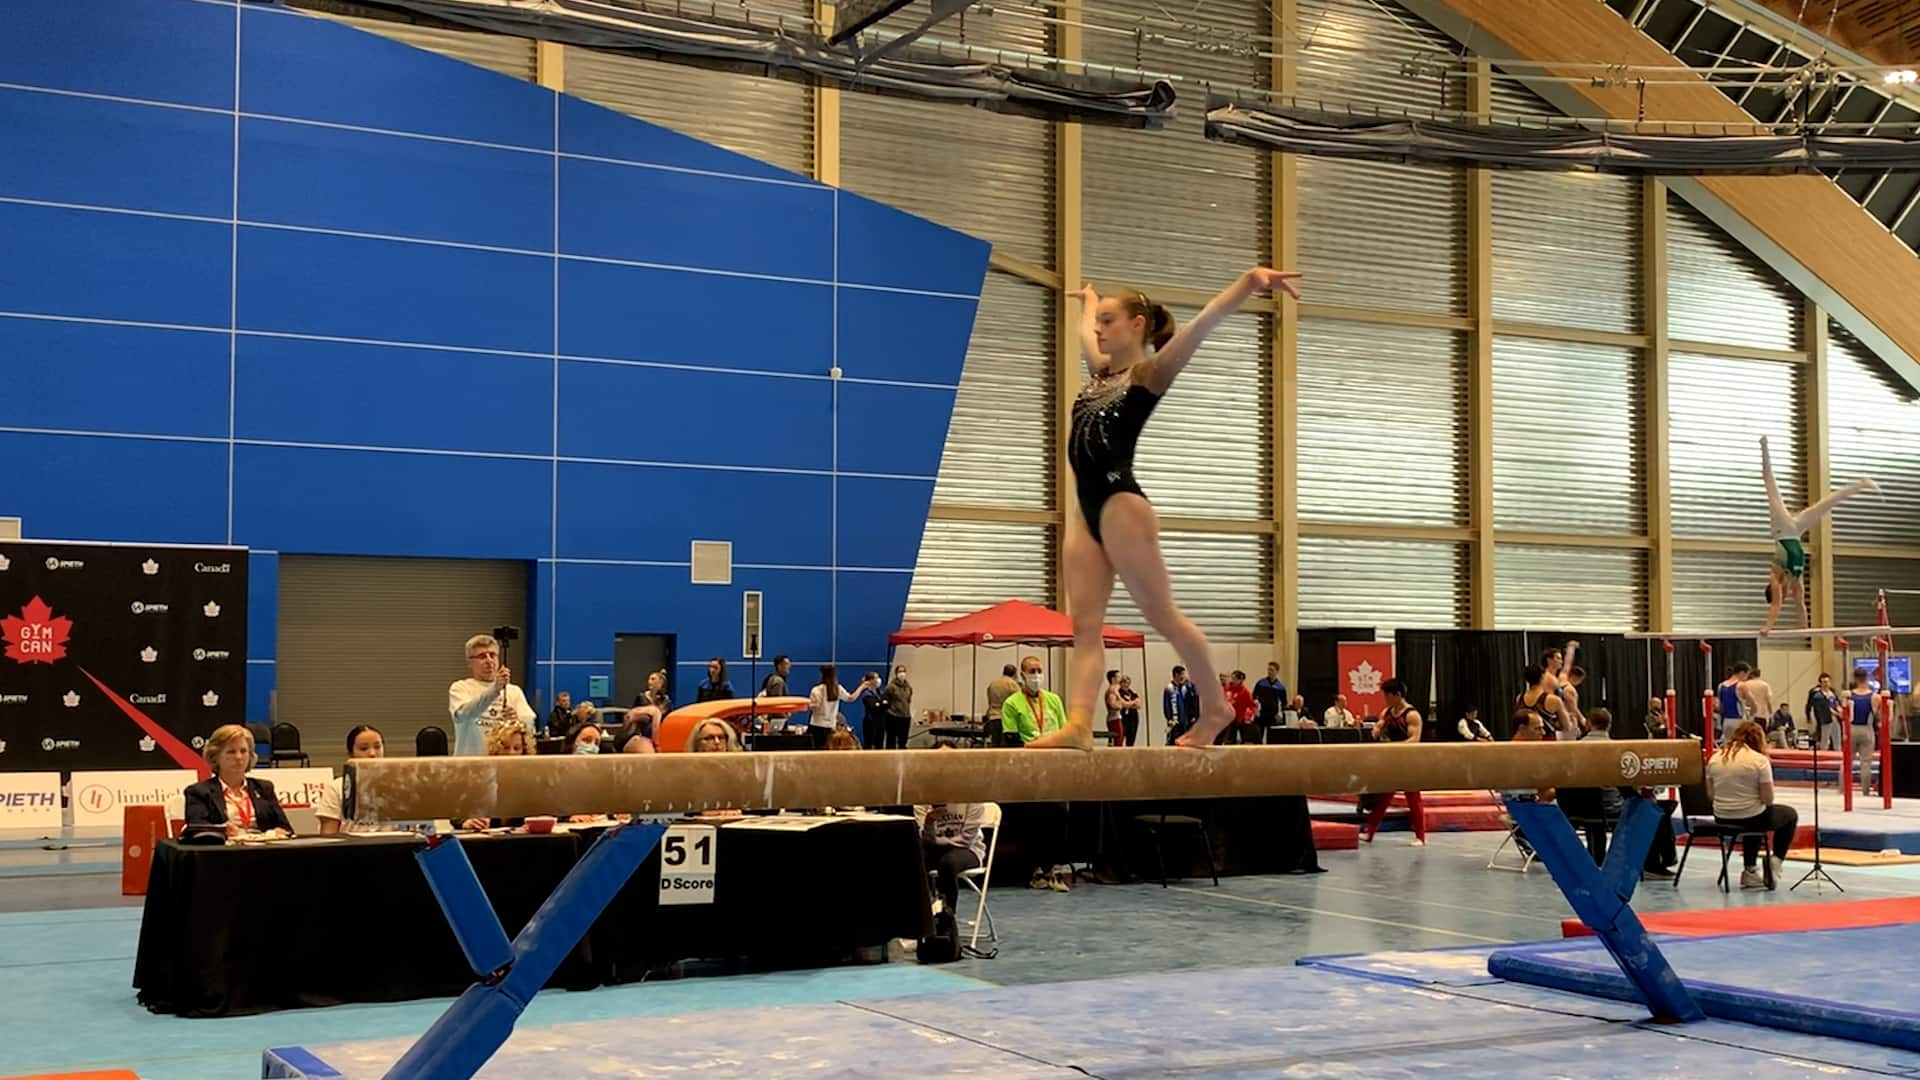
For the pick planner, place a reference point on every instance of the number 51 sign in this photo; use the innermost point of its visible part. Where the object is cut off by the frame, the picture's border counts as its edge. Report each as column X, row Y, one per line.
column 688, row 855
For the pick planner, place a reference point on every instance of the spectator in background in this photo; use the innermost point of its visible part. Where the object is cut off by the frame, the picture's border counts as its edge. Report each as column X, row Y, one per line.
column 873, row 712
column 1470, row 727
column 998, row 691
column 1115, row 727
column 1180, row 703
column 1863, row 712
column 364, row 741
column 775, row 684
column 584, row 739
column 1756, row 698
column 1573, row 720
column 1035, row 710
column 1338, row 715
column 1295, row 714
column 1271, row 694
column 486, row 699
column 1539, row 697
column 711, row 736
column 842, row 739
column 1731, row 702
column 655, row 696
column 950, row 842
column 1656, row 718
column 1780, row 728
column 1129, row 710
column 1740, row 783
column 715, row 686
column 635, row 743
column 1244, row 708
column 899, row 709
column 1823, row 711
column 561, row 718
column 823, row 705
column 583, row 713
column 244, row 804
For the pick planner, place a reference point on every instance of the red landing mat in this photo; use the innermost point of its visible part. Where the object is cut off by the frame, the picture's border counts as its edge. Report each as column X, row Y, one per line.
column 1429, row 799
column 1335, row 836
column 1769, row 918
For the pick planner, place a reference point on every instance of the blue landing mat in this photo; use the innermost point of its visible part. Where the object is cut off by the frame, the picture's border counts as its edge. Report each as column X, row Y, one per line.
column 1280, row 1022
column 1848, row 984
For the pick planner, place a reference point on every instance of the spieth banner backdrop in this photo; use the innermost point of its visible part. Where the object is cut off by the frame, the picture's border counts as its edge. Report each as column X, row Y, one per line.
column 118, row 656
column 1364, row 665
column 30, row 801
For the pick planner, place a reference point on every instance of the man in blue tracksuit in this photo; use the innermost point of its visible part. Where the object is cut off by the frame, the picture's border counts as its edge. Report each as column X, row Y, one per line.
column 1181, row 704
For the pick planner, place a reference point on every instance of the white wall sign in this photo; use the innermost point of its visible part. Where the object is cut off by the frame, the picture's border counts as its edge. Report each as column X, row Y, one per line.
column 100, row 798
column 30, row 801
column 688, row 856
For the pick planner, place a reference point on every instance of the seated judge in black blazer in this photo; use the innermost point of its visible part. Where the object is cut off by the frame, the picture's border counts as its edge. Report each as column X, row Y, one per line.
column 232, row 798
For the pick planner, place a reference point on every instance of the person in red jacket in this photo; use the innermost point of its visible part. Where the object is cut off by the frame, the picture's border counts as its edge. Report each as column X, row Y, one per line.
column 1244, row 707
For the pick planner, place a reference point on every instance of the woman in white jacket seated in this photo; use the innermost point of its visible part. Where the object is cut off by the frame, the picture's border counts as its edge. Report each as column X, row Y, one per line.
column 1740, row 783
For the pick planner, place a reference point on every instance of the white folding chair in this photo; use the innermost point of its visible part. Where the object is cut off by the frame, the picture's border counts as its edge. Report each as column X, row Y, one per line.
column 978, row 879
column 1524, row 850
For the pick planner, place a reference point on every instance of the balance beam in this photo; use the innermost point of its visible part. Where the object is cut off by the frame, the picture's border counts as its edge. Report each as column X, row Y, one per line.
column 415, row 789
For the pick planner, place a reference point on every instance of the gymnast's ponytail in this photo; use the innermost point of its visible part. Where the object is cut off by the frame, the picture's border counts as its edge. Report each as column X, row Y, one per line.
column 1159, row 320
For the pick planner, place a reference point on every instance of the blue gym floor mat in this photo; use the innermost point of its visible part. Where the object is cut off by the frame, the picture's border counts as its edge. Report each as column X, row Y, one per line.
column 1854, row 984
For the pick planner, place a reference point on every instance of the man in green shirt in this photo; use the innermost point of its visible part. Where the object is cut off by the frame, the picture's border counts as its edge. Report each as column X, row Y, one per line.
column 1034, row 710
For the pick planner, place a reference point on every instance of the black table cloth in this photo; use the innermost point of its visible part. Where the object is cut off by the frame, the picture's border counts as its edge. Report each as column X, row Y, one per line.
column 248, row 929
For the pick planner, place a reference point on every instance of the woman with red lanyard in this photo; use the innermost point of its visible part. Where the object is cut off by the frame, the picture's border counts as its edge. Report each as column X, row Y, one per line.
column 244, row 804
column 1399, row 722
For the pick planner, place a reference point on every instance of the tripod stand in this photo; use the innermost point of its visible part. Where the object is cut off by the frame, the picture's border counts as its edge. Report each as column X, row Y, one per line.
column 1819, row 870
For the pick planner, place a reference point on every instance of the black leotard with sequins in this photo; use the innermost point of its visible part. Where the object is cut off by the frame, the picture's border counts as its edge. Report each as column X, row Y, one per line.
column 1108, row 417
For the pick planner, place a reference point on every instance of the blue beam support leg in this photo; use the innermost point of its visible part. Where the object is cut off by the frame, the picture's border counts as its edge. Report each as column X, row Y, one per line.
column 1601, row 896
column 479, row 1021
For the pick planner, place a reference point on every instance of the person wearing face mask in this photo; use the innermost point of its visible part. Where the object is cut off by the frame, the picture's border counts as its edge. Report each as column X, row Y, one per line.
column 585, row 739
column 1035, row 710
column 899, row 709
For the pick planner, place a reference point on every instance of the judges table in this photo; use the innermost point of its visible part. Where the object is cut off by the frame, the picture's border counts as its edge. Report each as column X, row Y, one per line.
column 230, row 930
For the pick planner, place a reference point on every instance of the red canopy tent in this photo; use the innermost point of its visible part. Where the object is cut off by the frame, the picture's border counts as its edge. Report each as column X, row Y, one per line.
column 1012, row 622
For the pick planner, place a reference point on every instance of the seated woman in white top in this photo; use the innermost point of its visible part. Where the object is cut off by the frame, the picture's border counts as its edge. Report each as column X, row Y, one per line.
column 364, row 741
column 825, row 702
column 1740, row 782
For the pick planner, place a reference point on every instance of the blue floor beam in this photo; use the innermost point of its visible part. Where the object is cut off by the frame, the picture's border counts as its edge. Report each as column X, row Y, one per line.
column 479, row 1021
column 1601, row 895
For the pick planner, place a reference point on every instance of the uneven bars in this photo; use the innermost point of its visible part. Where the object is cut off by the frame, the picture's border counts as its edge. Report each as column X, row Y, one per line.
column 1818, row 631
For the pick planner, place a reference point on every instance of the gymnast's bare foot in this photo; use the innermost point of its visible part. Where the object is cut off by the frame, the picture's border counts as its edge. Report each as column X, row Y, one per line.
column 1077, row 735
column 1206, row 729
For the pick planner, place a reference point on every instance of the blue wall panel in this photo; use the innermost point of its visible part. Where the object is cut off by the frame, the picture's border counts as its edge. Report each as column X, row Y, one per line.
column 673, row 317
column 671, row 218
column 393, row 185
column 301, row 500
column 597, row 601
column 307, row 68
column 395, row 287
column 386, row 290
column 97, row 377
column 88, row 487
column 114, row 153
column 114, row 266
column 629, row 412
column 774, row 518
column 906, row 336
column 882, row 246
column 588, row 130
column 110, row 47
column 297, row 390
column 263, row 631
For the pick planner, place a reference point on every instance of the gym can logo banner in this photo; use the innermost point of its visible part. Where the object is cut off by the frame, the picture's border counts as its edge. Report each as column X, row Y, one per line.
column 1364, row 666
column 36, row 635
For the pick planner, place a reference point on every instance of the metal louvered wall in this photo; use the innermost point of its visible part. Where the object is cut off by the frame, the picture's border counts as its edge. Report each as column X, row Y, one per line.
column 1385, row 584
column 1208, row 450
column 1873, row 430
column 1222, row 581
column 1721, row 591
column 1383, row 423
column 999, row 450
column 1857, row 582
column 1567, row 425
column 1353, row 53
column 981, row 172
column 966, row 565
column 1573, row 588
column 1719, row 408
column 1169, row 207
column 1566, row 250
column 503, row 53
column 768, row 119
column 1718, row 291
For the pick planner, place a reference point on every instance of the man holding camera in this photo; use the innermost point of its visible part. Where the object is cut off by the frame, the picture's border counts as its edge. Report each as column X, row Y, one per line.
column 486, row 699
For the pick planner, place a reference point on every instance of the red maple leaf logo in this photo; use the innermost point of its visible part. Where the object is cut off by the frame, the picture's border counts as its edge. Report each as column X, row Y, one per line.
column 35, row 636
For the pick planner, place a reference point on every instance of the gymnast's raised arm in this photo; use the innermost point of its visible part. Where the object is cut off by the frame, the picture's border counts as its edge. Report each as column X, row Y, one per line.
column 1167, row 363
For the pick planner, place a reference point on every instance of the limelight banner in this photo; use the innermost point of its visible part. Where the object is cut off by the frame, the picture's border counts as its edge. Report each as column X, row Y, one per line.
column 118, row 656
